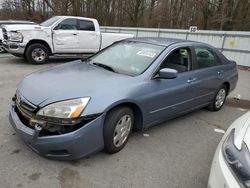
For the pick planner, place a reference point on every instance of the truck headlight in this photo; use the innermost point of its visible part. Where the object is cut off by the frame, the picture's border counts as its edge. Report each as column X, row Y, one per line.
column 15, row 36
column 65, row 109
column 238, row 160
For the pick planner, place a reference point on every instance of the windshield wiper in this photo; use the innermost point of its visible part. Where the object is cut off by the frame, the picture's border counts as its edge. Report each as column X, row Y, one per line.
column 104, row 66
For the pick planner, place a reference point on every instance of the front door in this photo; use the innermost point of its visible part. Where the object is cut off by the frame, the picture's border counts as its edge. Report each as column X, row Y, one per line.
column 65, row 37
column 172, row 96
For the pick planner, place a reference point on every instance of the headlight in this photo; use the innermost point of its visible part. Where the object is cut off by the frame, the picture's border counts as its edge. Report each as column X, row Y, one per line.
column 238, row 160
column 15, row 36
column 65, row 109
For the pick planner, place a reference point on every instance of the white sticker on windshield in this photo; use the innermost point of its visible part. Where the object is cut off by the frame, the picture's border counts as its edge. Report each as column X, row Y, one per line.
column 146, row 54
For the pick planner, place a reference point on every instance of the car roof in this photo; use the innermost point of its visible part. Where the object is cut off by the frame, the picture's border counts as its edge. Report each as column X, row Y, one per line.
column 162, row 41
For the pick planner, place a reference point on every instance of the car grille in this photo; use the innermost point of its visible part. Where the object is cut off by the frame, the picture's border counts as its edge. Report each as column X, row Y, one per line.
column 25, row 110
column 24, row 103
column 5, row 36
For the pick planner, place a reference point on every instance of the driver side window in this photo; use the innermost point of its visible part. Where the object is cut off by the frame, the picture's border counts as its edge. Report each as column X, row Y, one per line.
column 68, row 24
column 179, row 59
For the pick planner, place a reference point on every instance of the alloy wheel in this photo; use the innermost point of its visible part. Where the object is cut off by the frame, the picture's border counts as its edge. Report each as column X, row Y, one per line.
column 220, row 98
column 38, row 54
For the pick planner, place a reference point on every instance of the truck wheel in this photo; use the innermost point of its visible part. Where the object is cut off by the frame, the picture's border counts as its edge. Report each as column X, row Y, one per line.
column 117, row 128
column 219, row 99
column 37, row 54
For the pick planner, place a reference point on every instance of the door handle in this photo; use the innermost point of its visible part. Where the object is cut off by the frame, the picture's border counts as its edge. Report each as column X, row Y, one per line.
column 74, row 33
column 220, row 72
column 190, row 80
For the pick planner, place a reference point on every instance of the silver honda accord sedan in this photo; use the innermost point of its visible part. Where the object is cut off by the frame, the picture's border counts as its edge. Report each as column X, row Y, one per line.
column 78, row 108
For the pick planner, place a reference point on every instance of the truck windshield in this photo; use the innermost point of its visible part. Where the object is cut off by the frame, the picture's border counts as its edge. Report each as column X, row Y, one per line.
column 131, row 58
column 50, row 21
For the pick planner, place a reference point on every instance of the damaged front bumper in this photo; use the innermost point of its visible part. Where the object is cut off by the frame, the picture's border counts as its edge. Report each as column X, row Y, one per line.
column 14, row 47
column 70, row 146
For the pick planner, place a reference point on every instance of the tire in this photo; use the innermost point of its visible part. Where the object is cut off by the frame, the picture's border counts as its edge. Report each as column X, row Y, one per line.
column 117, row 129
column 219, row 99
column 37, row 54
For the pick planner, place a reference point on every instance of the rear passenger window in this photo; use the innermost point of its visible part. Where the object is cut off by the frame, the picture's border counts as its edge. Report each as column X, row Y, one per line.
column 205, row 58
column 86, row 25
column 68, row 24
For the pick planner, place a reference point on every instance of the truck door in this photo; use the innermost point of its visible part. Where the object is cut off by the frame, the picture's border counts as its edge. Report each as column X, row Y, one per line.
column 89, row 37
column 65, row 37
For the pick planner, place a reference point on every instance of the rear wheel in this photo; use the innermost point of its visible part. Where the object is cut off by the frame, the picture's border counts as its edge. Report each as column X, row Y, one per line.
column 219, row 99
column 117, row 128
column 37, row 54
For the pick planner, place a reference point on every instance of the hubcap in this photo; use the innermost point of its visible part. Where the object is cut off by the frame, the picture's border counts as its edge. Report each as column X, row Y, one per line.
column 122, row 130
column 220, row 98
column 38, row 54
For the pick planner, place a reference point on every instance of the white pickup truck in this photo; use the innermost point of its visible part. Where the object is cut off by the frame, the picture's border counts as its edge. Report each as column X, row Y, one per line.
column 57, row 36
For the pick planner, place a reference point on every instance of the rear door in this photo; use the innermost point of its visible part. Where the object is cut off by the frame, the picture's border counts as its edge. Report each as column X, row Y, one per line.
column 65, row 36
column 209, row 74
column 89, row 38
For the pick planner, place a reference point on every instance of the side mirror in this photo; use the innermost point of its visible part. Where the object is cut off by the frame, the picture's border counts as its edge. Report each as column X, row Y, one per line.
column 167, row 74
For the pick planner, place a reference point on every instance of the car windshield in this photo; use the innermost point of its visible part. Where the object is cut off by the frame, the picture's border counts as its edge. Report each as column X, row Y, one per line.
column 131, row 58
column 50, row 21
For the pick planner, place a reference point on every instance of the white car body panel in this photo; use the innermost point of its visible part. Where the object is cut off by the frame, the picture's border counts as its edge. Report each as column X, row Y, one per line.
column 64, row 41
column 89, row 41
column 109, row 38
column 221, row 174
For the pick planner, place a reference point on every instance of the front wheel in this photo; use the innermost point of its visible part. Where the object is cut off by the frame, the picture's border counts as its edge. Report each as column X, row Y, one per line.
column 37, row 54
column 219, row 99
column 117, row 128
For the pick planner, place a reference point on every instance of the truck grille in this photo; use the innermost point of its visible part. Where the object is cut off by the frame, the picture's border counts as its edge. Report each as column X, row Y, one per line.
column 5, row 36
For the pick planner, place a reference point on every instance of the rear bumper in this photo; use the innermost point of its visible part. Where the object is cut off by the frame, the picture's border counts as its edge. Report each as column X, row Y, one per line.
column 74, row 145
column 14, row 47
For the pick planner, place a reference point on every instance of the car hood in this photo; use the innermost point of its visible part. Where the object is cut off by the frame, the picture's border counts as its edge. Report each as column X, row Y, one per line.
column 68, row 81
column 19, row 27
column 242, row 130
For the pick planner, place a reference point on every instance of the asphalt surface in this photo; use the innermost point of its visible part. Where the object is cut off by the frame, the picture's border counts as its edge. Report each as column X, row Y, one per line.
column 177, row 153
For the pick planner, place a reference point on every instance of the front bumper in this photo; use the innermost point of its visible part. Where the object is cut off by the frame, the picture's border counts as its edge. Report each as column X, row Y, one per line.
column 74, row 145
column 13, row 47
column 220, row 174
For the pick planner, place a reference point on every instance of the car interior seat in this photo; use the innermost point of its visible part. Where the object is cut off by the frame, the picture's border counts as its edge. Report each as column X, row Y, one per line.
column 177, row 62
